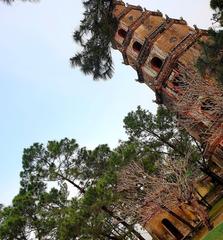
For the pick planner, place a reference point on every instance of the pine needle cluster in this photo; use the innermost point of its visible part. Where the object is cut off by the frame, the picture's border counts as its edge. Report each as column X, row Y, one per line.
column 95, row 36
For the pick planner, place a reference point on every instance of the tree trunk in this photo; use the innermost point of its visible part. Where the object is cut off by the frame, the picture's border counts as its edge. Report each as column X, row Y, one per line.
column 104, row 208
column 166, row 142
column 82, row 190
column 125, row 224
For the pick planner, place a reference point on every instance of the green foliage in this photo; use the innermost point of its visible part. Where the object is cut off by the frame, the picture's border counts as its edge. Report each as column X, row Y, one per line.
column 62, row 163
column 211, row 60
column 12, row 224
column 158, row 134
column 95, row 35
column 216, row 233
column 32, row 214
column 217, row 5
column 82, row 221
column 48, row 212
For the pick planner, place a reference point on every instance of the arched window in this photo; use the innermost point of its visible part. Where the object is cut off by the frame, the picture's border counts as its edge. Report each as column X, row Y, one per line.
column 156, row 64
column 137, row 46
column 172, row 229
column 122, row 33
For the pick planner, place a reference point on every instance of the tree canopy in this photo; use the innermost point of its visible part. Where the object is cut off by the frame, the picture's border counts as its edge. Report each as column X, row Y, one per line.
column 99, row 206
column 95, row 36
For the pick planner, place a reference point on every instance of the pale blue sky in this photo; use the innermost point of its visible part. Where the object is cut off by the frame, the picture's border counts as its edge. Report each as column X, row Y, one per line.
column 42, row 98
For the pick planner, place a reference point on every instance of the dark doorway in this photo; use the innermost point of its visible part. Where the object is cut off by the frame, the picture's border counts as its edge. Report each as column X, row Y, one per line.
column 137, row 46
column 172, row 229
column 122, row 33
column 156, row 64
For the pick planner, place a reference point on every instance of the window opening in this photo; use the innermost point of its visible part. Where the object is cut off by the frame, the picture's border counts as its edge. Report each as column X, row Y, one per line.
column 137, row 46
column 122, row 33
column 156, row 64
column 172, row 229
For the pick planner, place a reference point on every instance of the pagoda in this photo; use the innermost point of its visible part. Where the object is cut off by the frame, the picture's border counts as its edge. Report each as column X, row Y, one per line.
column 164, row 52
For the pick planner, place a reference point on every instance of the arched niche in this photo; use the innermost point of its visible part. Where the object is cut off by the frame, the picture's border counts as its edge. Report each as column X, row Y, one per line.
column 122, row 33
column 156, row 63
column 137, row 46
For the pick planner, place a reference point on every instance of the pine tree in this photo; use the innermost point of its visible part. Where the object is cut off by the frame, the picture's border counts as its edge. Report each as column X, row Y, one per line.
column 95, row 36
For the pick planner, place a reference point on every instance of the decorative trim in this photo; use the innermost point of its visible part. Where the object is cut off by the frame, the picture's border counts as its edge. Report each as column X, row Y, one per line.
column 134, row 7
column 178, row 21
column 116, row 2
column 123, row 13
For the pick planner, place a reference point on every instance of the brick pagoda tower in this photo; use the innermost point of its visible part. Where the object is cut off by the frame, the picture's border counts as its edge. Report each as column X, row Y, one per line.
column 164, row 52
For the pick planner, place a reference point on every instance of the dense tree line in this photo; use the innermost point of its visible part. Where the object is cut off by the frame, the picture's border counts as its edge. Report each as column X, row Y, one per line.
column 100, row 207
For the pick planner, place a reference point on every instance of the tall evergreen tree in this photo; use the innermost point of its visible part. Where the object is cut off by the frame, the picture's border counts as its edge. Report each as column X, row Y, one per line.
column 64, row 163
column 34, row 214
column 95, row 36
